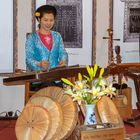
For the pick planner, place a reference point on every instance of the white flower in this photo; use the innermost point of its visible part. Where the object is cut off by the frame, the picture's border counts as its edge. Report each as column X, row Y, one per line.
column 110, row 91
column 79, row 85
column 89, row 91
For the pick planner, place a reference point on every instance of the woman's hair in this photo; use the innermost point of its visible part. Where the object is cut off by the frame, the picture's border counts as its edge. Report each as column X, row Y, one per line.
column 45, row 9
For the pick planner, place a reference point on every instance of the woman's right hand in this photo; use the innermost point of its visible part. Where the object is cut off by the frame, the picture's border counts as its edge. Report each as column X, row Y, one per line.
column 44, row 64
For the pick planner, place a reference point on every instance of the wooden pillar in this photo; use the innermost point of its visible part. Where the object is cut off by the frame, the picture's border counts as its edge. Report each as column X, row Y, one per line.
column 27, row 91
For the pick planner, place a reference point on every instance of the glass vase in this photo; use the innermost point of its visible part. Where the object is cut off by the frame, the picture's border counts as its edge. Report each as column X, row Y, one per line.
column 90, row 118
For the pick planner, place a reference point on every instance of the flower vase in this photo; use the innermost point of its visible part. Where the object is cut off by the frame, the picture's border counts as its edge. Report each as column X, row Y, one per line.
column 90, row 118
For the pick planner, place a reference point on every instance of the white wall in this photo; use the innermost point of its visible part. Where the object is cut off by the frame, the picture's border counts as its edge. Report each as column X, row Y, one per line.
column 102, row 24
column 12, row 97
column 6, row 37
column 24, row 26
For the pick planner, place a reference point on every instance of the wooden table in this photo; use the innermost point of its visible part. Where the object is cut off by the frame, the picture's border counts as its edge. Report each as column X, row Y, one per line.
column 45, row 76
column 53, row 74
column 131, row 70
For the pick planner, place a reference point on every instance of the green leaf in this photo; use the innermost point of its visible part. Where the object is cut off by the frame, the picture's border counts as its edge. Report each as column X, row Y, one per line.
column 66, row 81
column 88, row 79
column 98, row 82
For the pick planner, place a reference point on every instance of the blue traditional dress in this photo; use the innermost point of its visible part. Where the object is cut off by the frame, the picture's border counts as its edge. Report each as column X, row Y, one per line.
column 36, row 51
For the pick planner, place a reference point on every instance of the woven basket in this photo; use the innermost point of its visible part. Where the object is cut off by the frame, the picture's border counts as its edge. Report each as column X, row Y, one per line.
column 55, row 111
column 69, row 108
column 108, row 111
column 33, row 123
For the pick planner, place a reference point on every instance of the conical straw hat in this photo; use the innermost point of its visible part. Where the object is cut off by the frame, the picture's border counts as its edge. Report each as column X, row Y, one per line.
column 56, row 116
column 69, row 108
column 33, row 123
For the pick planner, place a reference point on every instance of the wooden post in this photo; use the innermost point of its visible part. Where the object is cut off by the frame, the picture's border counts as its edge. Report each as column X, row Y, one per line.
column 27, row 91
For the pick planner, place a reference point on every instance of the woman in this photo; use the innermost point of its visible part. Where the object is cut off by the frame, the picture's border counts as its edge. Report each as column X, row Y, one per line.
column 45, row 48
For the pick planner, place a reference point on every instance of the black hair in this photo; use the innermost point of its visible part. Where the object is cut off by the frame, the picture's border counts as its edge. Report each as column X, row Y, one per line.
column 45, row 9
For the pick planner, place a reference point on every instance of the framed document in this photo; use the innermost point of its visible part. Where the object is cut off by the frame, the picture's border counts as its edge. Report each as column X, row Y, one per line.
column 131, row 21
column 68, row 20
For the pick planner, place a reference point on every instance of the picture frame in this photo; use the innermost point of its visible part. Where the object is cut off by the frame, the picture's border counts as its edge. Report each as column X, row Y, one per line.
column 131, row 21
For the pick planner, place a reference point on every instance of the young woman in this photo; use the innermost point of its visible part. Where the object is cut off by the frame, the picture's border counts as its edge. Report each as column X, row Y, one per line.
column 45, row 48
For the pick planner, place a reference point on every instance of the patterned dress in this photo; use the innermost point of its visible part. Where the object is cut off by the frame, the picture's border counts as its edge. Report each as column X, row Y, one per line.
column 36, row 51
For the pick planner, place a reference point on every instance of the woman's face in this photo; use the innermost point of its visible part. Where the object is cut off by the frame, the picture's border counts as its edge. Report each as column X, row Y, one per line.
column 47, row 21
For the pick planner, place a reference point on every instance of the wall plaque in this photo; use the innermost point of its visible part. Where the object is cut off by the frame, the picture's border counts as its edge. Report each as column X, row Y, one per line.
column 134, row 26
column 131, row 21
column 69, row 21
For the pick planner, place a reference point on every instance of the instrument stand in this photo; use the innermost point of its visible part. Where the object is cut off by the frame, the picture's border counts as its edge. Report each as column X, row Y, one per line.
column 132, row 120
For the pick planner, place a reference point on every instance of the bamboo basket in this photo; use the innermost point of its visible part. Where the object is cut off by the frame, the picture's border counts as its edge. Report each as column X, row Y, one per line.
column 33, row 123
column 69, row 109
column 108, row 112
column 56, row 116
